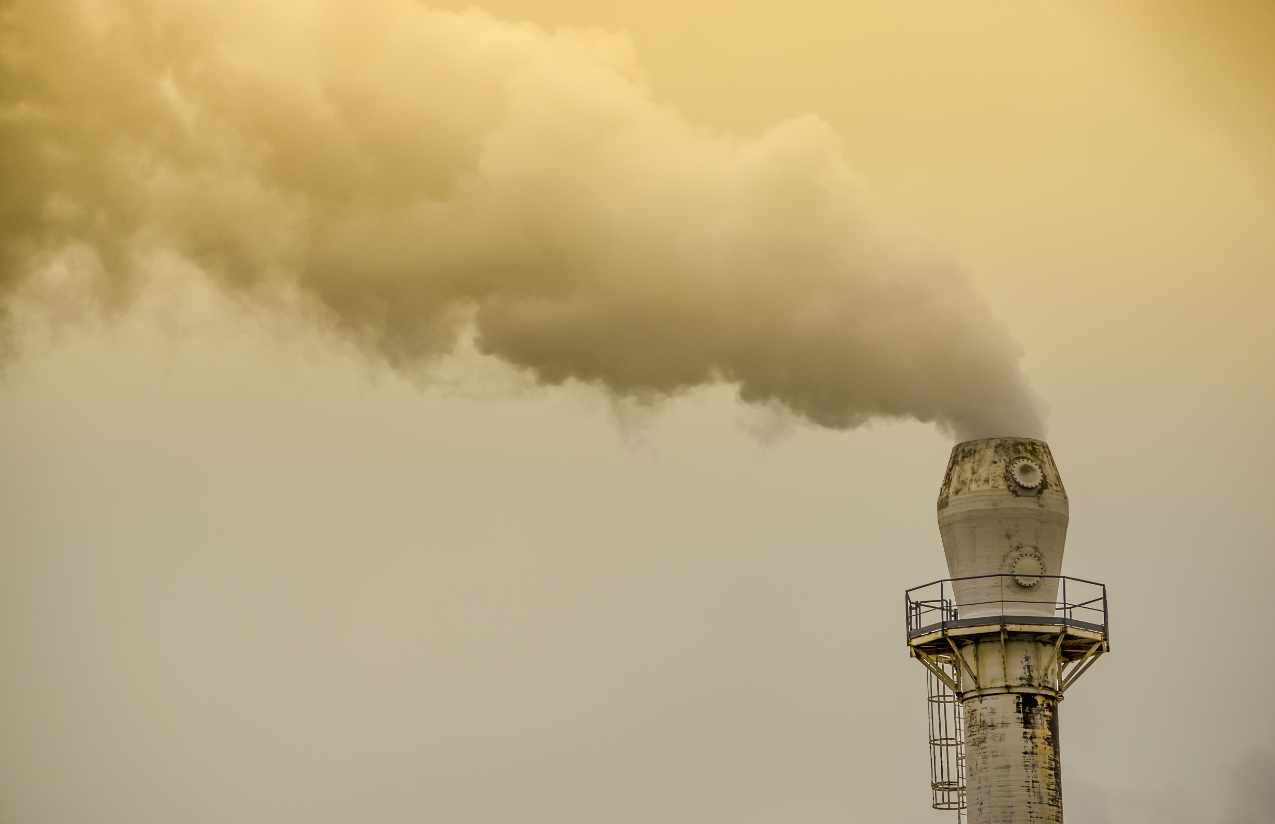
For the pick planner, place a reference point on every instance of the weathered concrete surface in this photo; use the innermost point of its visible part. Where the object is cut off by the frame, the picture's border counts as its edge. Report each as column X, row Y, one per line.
column 1008, row 689
column 1003, row 509
column 1014, row 771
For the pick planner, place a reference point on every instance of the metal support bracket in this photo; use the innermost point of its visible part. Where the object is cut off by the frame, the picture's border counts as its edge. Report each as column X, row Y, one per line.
column 1053, row 665
column 964, row 664
column 1004, row 652
column 1081, row 666
column 933, row 666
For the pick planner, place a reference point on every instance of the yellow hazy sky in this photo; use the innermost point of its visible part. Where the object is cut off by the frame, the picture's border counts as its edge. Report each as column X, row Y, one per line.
column 250, row 575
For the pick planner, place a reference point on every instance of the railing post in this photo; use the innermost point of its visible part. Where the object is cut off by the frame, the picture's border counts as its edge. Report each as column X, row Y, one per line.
column 1106, row 622
column 1067, row 616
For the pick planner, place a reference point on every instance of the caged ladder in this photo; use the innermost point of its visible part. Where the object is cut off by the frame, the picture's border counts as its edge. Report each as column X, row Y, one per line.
column 947, row 737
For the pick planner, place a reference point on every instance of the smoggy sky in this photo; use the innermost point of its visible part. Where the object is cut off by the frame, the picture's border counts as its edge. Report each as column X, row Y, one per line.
column 254, row 574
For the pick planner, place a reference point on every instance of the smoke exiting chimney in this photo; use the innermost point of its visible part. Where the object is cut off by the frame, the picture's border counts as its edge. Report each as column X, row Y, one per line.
column 413, row 176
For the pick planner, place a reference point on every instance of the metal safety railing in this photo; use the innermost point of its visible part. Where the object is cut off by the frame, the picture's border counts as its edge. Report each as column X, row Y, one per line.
column 998, row 598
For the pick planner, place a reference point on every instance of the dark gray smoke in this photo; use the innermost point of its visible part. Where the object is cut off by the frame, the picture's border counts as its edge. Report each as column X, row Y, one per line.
column 411, row 176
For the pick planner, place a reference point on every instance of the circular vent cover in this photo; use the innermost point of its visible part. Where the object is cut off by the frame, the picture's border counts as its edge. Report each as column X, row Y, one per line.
column 1026, row 565
column 1026, row 474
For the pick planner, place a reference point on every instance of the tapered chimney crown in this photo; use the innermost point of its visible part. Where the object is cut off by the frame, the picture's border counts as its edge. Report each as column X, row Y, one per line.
column 1003, row 510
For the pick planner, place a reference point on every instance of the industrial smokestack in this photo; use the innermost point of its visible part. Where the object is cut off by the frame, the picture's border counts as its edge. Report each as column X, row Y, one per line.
column 411, row 177
column 1005, row 636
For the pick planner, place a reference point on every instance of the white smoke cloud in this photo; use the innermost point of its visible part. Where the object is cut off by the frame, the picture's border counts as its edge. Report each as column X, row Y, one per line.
column 415, row 175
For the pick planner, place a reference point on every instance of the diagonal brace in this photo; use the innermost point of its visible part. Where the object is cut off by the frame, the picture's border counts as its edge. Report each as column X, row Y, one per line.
column 964, row 664
column 934, row 667
column 1053, row 658
column 1081, row 666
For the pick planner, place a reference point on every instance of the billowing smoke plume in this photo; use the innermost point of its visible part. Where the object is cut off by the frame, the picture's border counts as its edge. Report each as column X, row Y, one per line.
column 414, row 175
